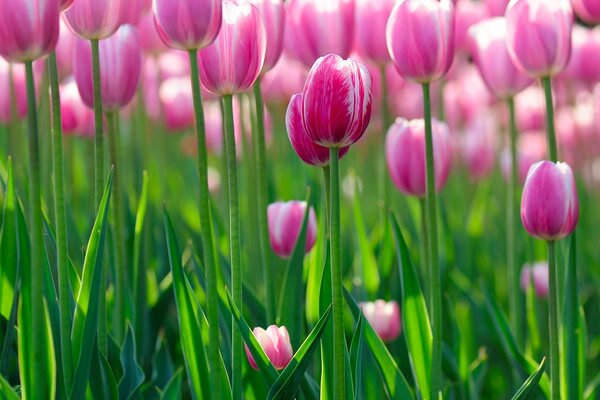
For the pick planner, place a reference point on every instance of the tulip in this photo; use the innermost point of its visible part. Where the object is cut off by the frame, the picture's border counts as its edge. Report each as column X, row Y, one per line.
column 77, row 118
column 405, row 154
column 273, row 15
column 371, row 20
column 549, row 207
column 188, row 24
column 133, row 11
column 64, row 50
column 384, row 317
column 536, row 274
column 336, row 102
column 64, row 4
column 497, row 8
column 478, row 146
column 468, row 13
column 177, row 103
column 275, row 342
column 120, row 68
column 490, row 53
column 284, row 80
column 538, row 35
column 587, row 10
column 150, row 41
column 95, row 19
column 19, row 87
column 465, row 97
column 584, row 65
column 420, row 39
column 285, row 222
column 318, row 27
column 28, row 29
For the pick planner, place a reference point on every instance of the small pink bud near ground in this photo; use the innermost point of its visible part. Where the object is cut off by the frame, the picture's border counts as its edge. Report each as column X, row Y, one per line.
column 285, row 222
column 384, row 317
column 275, row 342
column 536, row 275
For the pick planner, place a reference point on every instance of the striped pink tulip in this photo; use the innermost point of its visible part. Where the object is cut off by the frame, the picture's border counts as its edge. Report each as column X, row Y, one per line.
column 275, row 342
column 28, row 28
column 538, row 276
column 95, row 19
column 587, row 10
column 308, row 151
column 285, row 222
column 539, row 35
column 420, row 38
column 20, row 90
column 273, row 14
column 336, row 102
column 384, row 317
column 549, row 206
column 120, row 68
column 369, row 38
column 234, row 60
column 188, row 24
column 405, row 155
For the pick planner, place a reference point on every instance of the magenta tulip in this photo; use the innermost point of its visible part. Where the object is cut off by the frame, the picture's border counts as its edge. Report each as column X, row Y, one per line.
column 587, row 10
column 539, row 35
column 64, row 4
column 18, row 78
column 538, row 276
column 490, row 53
column 584, row 65
column 234, row 60
column 308, row 151
column 336, row 102
column 273, row 15
column 77, row 118
column 95, row 19
column 188, row 24
column 28, row 28
column 405, row 155
column 315, row 28
column 420, row 38
column 369, row 38
column 275, row 342
column 384, row 317
column 549, row 206
column 285, row 222
column 120, row 69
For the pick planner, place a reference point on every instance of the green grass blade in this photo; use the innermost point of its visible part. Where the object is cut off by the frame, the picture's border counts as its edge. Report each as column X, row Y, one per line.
column 133, row 375
column 6, row 391
column 173, row 389
column 103, row 383
column 356, row 355
column 528, row 388
column 9, row 257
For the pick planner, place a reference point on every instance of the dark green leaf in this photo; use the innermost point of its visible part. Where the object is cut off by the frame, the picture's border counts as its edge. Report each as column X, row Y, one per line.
column 133, row 375
column 173, row 389
column 356, row 354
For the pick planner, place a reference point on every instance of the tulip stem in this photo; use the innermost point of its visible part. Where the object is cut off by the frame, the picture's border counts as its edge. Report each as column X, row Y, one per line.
column 424, row 248
column 339, row 342
column 207, row 234
column 553, row 322
column 60, row 215
column 327, row 184
column 551, row 133
column 434, row 265
column 263, row 195
column 32, row 287
column 234, row 242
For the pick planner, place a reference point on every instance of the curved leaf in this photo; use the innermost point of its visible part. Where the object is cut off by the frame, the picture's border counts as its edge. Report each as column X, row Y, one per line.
column 528, row 388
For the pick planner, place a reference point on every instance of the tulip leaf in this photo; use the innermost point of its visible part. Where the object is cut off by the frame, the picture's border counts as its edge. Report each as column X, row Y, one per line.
column 9, row 246
column 173, row 389
column 139, row 273
column 356, row 354
column 103, row 383
column 590, row 389
column 370, row 270
column 289, row 380
column 133, row 375
column 571, row 332
column 528, row 388
column 417, row 328
column 6, row 391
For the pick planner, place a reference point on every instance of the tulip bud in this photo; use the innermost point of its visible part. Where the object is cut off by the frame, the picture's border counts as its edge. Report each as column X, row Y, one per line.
column 149, row 39
column 20, row 91
column 95, row 19
column 275, row 342
column 77, row 118
column 273, row 15
column 405, row 154
column 587, row 10
column 549, row 207
column 538, row 35
column 371, row 20
column 536, row 275
column 234, row 60
column 285, row 222
column 420, row 39
column 120, row 68
column 468, row 13
column 177, row 103
column 28, row 28
column 336, row 103
column 584, row 65
column 384, row 317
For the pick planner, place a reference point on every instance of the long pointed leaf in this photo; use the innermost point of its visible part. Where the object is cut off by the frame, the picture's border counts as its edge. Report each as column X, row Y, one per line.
column 9, row 257
column 133, row 375
column 528, row 388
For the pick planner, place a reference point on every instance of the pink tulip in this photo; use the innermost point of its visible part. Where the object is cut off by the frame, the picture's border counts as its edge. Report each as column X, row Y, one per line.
column 549, row 206
column 149, row 39
column 405, row 155
column 318, row 27
column 95, row 19
column 489, row 51
column 465, row 97
column 284, row 80
column 371, row 20
column 497, row 8
column 28, row 28
column 384, row 317
column 133, row 11
column 64, row 4
column 536, row 275
column 273, row 15
column 285, row 221
column 538, row 35
column 420, row 39
column 468, row 13
column 584, row 65
column 188, row 24
column 234, row 60
column 531, row 148
column 336, row 103
column 177, row 103
column 587, row 10
column 308, row 151
column 275, row 342
column 64, row 50
column 20, row 90
column 173, row 63
column 77, row 118
column 120, row 68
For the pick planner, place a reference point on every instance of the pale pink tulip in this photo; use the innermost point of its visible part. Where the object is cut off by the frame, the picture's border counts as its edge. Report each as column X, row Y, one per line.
column 285, row 222
column 275, row 342
column 384, row 317
column 95, row 19
column 536, row 275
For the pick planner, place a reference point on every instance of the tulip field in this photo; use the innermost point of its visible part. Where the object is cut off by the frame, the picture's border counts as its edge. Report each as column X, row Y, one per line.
column 299, row 199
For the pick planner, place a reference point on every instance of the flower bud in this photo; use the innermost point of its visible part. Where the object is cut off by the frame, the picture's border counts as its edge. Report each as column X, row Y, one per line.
column 371, row 20
column 275, row 342
column 95, row 19
column 536, row 275
column 285, row 222
column 273, row 15
column 384, row 317
column 587, row 10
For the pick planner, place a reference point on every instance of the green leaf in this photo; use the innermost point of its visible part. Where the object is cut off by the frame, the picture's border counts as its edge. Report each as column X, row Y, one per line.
column 289, row 380
column 528, row 388
column 85, row 320
column 133, row 375
column 417, row 328
column 139, row 273
column 103, row 384
column 370, row 270
column 6, row 391
column 590, row 389
column 173, row 389
column 327, row 340
column 356, row 354
column 9, row 246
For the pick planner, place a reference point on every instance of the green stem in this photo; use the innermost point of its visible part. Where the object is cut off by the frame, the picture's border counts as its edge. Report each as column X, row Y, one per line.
column 327, row 184
column 383, row 176
column 553, row 322
column 234, row 241
column 572, row 332
column 424, row 245
column 261, row 177
column 36, row 294
column 339, row 341
column 207, row 235
column 551, row 133
column 60, row 215
column 118, row 227
column 434, row 262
